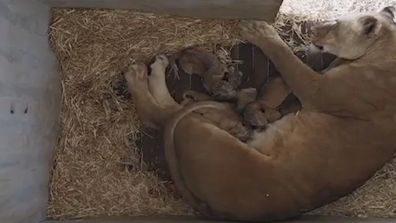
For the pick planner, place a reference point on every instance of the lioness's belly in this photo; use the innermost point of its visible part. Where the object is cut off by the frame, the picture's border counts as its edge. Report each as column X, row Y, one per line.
column 292, row 129
column 324, row 155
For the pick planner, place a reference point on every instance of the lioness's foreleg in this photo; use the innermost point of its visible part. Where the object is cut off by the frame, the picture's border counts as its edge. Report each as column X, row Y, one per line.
column 157, row 82
column 301, row 79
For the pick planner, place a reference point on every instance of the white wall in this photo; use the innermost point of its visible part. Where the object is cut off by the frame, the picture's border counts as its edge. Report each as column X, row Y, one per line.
column 29, row 104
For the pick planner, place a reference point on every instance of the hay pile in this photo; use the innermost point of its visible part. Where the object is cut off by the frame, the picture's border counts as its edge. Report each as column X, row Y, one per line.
column 99, row 126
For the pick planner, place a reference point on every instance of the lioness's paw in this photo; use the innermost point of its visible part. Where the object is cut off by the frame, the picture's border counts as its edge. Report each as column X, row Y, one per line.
column 253, row 31
column 136, row 72
column 161, row 61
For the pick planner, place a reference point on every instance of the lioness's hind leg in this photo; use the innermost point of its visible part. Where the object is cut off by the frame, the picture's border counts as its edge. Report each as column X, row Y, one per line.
column 157, row 82
column 148, row 110
column 136, row 77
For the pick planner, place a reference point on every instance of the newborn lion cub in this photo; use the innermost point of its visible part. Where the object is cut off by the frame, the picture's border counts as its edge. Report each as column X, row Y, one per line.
column 344, row 133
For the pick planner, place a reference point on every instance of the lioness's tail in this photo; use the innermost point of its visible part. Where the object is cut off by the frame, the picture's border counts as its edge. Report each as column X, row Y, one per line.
column 171, row 156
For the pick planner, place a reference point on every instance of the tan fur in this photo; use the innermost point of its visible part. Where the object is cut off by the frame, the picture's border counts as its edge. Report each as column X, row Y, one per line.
column 172, row 157
column 364, row 29
column 344, row 133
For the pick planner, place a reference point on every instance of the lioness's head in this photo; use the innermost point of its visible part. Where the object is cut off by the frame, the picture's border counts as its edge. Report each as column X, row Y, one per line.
column 351, row 37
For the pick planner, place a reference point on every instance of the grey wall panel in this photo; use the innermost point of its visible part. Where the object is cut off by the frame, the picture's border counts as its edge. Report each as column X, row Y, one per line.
column 29, row 110
column 252, row 9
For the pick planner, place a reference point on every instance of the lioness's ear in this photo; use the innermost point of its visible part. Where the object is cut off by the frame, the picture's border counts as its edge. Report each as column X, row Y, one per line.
column 370, row 26
column 390, row 12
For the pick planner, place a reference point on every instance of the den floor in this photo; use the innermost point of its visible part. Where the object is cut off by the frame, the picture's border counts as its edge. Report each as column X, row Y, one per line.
column 98, row 168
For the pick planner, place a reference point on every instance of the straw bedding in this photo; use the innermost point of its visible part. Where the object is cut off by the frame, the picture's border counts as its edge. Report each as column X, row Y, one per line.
column 97, row 169
column 97, row 166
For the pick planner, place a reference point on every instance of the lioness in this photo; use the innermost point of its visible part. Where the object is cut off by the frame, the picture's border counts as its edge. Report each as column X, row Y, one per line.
column 345, row 131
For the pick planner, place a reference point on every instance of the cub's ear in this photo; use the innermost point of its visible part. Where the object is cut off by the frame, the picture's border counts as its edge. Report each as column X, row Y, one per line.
column 370, row 26
column 389, row 12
